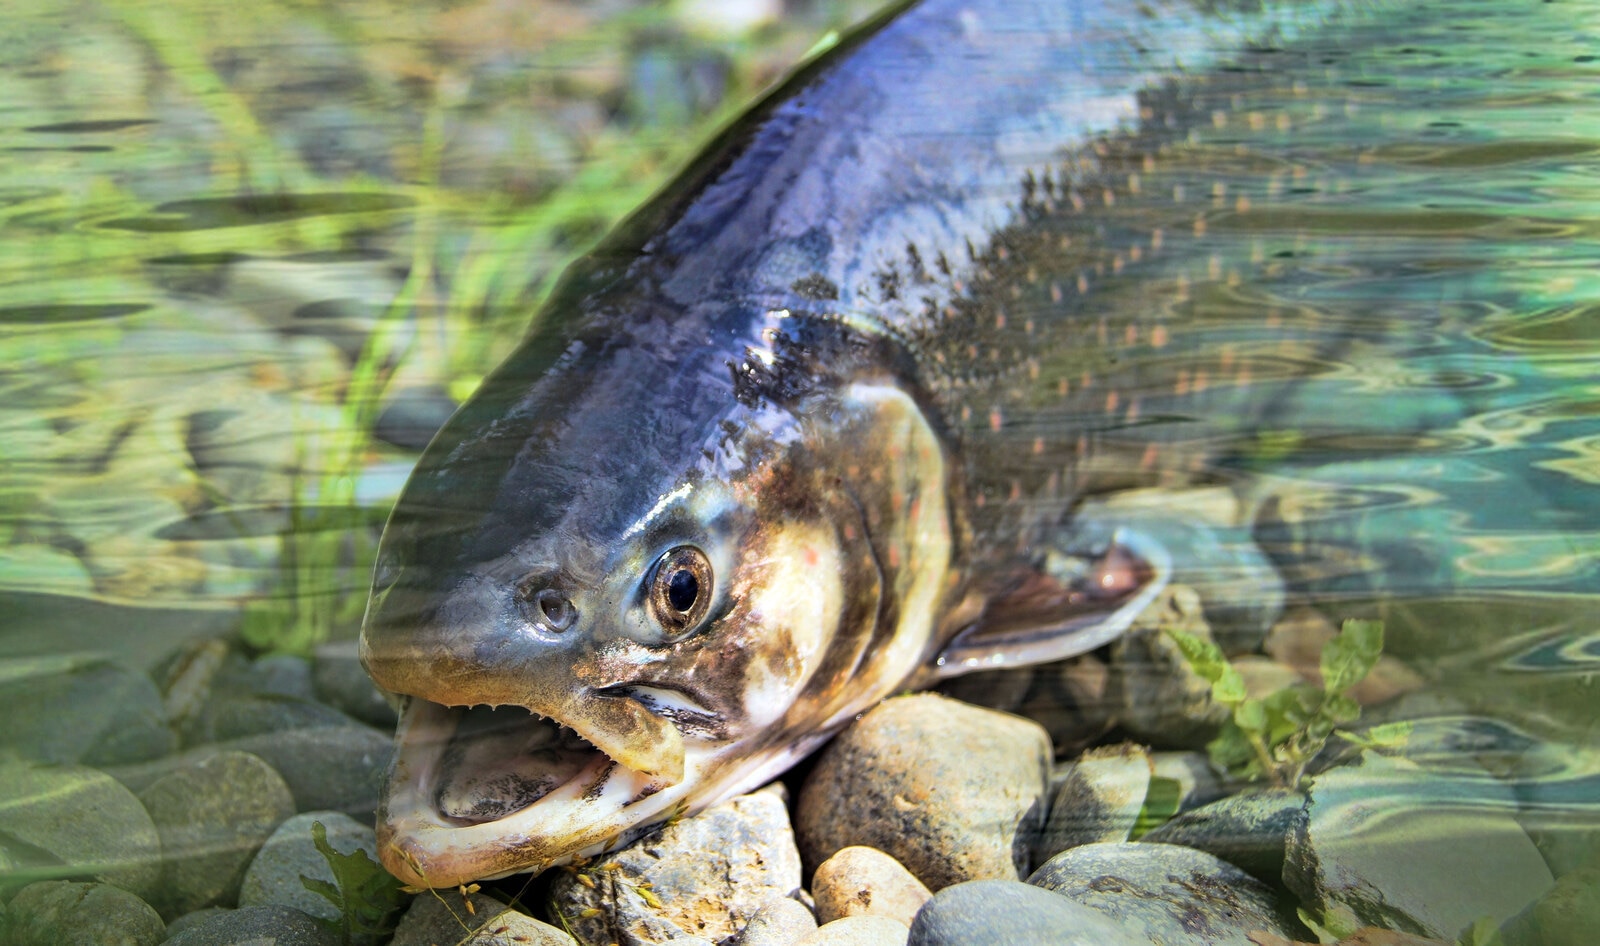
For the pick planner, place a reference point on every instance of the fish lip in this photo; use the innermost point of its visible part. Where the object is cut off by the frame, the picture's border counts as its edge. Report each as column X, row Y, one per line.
column 426, row 847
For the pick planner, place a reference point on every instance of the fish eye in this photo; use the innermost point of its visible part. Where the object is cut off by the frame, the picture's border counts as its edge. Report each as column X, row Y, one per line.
column 680, row 588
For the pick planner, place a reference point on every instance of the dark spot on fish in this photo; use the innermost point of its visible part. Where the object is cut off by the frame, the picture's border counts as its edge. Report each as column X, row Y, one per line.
column 594, row 788
column 90, row 127
column 815, row 287
column 644, row 793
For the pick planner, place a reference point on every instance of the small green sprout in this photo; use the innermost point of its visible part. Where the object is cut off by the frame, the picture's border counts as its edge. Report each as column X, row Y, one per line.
column 368, row 897
column 1277, row 736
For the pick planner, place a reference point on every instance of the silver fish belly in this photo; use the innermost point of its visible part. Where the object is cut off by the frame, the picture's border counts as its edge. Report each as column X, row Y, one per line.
column 768, row 455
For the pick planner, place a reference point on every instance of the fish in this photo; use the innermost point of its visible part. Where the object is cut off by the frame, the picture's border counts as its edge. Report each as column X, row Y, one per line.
column 811, row 428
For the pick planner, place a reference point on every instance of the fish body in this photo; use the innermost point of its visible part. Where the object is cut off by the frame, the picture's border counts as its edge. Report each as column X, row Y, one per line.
column 807, row 429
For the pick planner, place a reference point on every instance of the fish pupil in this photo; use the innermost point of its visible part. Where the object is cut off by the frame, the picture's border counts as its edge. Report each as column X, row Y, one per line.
column 682, row 590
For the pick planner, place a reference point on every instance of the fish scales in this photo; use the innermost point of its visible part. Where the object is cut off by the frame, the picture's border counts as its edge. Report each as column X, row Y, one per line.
column 810, row 426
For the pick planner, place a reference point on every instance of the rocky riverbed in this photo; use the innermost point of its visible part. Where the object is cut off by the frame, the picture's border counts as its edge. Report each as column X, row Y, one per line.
column 178, row 807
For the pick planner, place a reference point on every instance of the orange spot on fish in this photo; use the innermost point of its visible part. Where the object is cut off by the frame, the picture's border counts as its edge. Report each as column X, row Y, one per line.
column 1148, row 461
column 1038, row 445
column 995, row 420
column 812, row 559
column 1111, row 402
column 1158, row 337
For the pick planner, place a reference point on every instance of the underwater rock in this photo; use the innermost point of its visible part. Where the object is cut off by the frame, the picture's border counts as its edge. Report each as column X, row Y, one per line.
column 255, row 926
column 229, row 716
column 1098, row 799
column 64, row 816
column 274, row 874
column 341, row 682
column 337, row 768
column 282, row 675
column 985, row 912
column 1070, row 699
column 1170, row 895
column 864, row 881
column 65, row 913
column 1158, row 698
column 91, row 712
column 951, row 791
column 212, row 817
column 1393, row 845
column 781, row 921
column 1297, row 640
column 1193, row 782
column 1249, row 831
column 1567, row 915
column 703, row 876
column 471, row 919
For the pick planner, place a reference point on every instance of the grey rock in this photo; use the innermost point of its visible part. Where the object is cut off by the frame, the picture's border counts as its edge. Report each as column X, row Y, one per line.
column 986, row 912
column 285, row 675
column 341, row 682
column 780, row 921
column 862, row 930
column 413, row 415
column 1193, row 781
column 709, row 874
column 1567, row 915
column 91, row 712
column 212, row 818
column 229, row 716
column 1002, row 690
column 864, row 881
column 1169, row 895
column 64, row 913
column 443, row 916
column 1071, row 700
column 1394, row 845
column 1099, row 799
column 195, row 918
column 289, row 854
column 1160, row 700
column 257, row 926
column 79, row 821
column 337, row 768
column 951, row 791
column 1249, row 831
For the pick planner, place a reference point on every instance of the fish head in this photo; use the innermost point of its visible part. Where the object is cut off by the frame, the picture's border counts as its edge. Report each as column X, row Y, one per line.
column 625, row 589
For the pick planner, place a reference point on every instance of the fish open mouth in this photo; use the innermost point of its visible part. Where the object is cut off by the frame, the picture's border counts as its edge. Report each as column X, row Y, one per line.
column 500, row 760
column 480, row 792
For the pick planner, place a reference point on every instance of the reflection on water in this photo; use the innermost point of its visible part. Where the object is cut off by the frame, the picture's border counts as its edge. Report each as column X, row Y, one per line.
column 230, row 246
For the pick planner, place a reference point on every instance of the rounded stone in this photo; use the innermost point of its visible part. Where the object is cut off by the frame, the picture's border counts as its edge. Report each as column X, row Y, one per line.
column 273, row 876
column 1249, row 831
column 986, row 912
column 951, row 791
column 337, row 768
column 864, row 881
column 91, row 712
column 341, row 682
column 471, row 919
column 212, row 818
column 1399, row 846
column 1099, row 799
column 1160, row 700
column 1169, row 895
column 781, row 921
column 71, row 815
column 64, row 913
column 859, row 930
column 707, row 875
column 257, row 926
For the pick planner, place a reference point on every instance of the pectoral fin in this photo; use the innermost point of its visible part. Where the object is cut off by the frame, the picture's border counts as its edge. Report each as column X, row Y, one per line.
column 1072, row 600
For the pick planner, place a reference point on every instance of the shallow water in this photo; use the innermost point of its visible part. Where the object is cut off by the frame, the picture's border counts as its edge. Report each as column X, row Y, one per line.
column 232, row 241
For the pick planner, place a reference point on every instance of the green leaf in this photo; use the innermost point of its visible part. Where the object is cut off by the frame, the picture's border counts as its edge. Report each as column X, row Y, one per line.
column 367, row 896
column 1382, row 736
column 1484, row 931
column 1202, row 656
column 1351, row 654
column 1251, row 716
column 1340, row 708
column 1230, row 751
column 1228, row 688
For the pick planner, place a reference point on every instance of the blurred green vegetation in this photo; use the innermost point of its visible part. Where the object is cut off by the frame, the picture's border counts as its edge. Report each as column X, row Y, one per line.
column 476, row 145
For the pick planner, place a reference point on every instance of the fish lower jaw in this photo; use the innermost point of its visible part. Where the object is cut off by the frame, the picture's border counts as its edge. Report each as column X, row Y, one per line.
column 477, row 793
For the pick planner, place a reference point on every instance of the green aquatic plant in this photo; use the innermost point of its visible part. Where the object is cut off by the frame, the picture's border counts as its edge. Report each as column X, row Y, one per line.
column 367, row 897
column 1275, row 737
